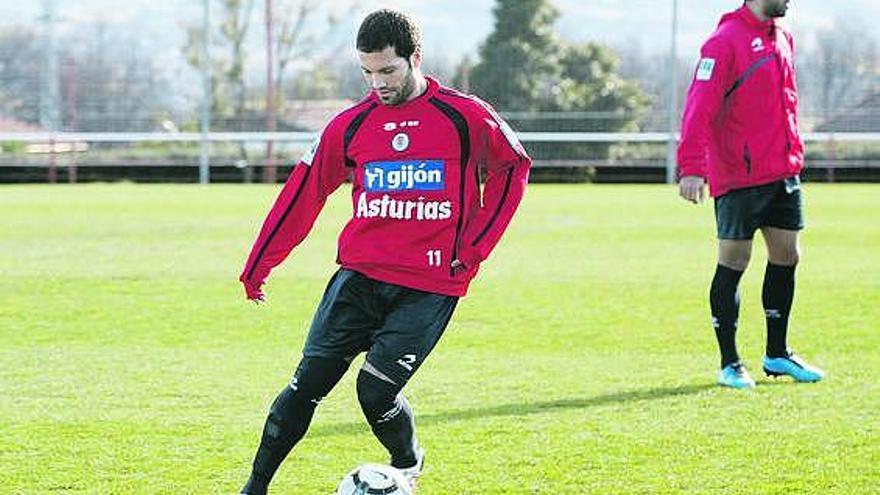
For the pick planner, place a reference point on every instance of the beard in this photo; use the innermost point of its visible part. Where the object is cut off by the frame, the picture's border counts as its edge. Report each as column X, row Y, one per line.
column 776, row 9
column 398, row 96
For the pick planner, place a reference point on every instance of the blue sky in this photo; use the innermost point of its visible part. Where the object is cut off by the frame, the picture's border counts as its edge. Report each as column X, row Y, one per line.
column 456, row 27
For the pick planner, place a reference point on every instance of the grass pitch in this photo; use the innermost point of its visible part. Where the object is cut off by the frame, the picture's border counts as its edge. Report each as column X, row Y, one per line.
column 581, row 362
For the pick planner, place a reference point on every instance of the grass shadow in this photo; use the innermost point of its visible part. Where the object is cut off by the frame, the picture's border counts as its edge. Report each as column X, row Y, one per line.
column 522, row 409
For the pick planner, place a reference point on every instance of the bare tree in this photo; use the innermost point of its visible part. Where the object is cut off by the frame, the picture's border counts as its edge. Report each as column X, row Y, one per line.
column 228, row 69
column 236, row 22
column 839, row 71
column 295, row 41
column 110, row 82
column 19, row 74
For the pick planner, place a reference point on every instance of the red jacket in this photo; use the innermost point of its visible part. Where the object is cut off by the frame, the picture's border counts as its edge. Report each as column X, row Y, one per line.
column 740, row 124
column 416, row 197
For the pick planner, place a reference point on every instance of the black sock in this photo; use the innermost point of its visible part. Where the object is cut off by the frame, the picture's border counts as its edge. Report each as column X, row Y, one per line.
column 256, row 485
column 724, row 301
column 777, row 296
column 290, row 416
column 390, row 418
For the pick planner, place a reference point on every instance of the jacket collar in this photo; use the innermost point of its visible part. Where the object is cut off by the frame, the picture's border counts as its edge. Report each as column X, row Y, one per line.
column 746, row 15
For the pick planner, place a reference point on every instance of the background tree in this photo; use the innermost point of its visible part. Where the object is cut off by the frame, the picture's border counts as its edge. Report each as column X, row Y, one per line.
column 108, row 82
column 840, row 70
column 297, row 41
column 229, row 57
column 519, row 61
column 115, row 83
column 543, row 83
column 20, row 66
column 590, row 83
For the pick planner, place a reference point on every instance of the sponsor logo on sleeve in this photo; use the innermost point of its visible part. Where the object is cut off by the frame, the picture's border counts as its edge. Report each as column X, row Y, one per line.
column 705, row 69
column 508, row 131
column 510, row 134
column 309, row 155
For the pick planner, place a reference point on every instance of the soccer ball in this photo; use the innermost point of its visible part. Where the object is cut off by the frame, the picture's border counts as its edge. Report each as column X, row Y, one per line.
column 374, row 479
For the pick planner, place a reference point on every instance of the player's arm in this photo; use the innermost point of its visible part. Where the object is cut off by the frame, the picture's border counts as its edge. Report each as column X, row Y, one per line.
column 705, row 98
column 507, row 173
column 316, row 176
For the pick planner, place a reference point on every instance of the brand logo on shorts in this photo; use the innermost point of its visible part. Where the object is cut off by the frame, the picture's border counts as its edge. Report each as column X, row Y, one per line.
column 407, row 361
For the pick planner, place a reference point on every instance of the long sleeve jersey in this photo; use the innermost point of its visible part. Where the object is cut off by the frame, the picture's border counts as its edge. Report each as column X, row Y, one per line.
column 417, row 201
column 740, row 125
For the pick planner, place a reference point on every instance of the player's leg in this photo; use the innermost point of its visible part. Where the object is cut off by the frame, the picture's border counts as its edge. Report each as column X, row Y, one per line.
column 736, row 224
column 781, row 229
column 290, row 415
column 389, row 415
column 733, row 258
column 339, row 331
column 412, row 328
column 783, row 255
column 724, row 298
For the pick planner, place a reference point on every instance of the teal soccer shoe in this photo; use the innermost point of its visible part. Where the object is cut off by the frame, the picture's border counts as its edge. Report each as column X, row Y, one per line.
column 793, row 366
column 735, row 375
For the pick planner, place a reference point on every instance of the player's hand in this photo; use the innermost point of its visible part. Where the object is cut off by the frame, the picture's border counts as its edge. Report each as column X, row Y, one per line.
column 457, row 265
column 692, row 188
column 254, row 292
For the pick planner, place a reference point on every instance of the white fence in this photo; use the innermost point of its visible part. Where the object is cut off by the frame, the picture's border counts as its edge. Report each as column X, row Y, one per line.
column 308, row 137
column 68, row 151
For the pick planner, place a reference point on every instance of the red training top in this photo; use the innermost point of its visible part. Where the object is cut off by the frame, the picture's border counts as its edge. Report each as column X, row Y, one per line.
column 416, row 198
column 740, row 124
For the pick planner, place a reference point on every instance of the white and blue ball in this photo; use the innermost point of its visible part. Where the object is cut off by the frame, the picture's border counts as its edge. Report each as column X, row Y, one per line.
column 374, row 479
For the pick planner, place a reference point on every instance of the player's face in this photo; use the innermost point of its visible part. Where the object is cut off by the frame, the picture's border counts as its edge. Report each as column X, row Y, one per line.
column 389, row 75
column 775, row 8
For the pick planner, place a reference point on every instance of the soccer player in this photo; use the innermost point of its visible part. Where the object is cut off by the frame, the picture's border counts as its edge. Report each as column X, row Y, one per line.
column 420, row 228
column 740, row 132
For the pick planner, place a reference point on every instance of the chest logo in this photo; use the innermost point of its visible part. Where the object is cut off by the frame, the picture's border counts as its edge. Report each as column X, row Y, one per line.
column 400, row 141
column 419, row 175
column 757, row 45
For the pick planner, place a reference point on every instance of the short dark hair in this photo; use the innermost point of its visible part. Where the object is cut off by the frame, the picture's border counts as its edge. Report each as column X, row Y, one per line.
column 386, row 27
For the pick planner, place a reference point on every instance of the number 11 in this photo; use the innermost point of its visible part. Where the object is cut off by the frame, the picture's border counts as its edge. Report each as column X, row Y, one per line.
column 433, row 257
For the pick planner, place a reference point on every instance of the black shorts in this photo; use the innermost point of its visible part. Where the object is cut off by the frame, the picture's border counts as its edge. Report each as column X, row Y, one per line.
column 397, row 326
column 739, row 213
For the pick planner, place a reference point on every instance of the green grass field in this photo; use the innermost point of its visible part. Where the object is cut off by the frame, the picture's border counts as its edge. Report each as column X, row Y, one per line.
column 581, row 362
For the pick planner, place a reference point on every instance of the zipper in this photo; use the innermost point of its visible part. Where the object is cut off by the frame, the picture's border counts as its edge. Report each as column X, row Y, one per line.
column 781, row 69
column 747, row 157
column 457, row 243
column 459, row 225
